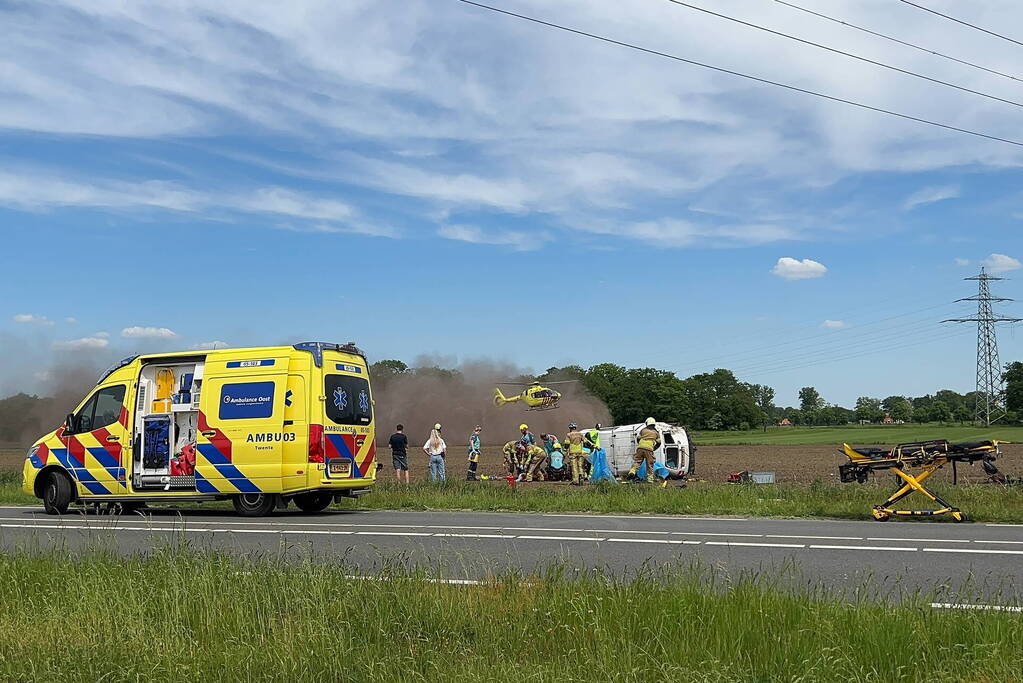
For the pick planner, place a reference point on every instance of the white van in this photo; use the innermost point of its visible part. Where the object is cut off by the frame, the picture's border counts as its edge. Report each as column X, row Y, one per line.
column 676, row 452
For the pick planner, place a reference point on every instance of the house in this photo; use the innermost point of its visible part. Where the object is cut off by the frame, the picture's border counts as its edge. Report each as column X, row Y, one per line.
column 785, row 422
column 887, row 420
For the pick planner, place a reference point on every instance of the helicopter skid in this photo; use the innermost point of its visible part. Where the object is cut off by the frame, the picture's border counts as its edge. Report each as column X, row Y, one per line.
column 542, row 408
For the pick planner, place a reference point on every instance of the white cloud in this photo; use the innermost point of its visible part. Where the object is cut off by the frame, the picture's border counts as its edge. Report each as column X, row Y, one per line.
column 207, row 346
column 104, row 335
column 962, row 261
column 138, row 332
column 1000, row 263
column 929, row 195
column 70, row 320
column 794, row 269
column 833, row 324
column 80, row 344
column 31, row 319
column 521, row 241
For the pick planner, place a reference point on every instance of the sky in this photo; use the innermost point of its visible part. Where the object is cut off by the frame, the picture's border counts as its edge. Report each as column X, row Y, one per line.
column 428, row 177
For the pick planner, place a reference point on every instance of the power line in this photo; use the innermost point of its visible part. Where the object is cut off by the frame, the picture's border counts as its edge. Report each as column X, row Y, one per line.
column 899, row 41
column 731, row 72
column 851, row 55
column 960, row 21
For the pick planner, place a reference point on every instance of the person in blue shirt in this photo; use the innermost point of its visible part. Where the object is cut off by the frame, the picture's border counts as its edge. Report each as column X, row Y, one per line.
column 526, row 438
column 475, row 448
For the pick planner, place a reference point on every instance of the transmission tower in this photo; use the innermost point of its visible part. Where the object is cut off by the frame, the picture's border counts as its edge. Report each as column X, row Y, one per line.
column 990, row 387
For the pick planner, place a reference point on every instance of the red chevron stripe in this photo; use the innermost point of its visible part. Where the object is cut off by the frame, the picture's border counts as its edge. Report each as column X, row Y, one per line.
column 76, row 450
column 111, row 447
column 218, row 440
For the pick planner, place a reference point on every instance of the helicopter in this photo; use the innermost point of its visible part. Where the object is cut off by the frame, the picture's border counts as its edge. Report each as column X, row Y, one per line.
column 536, row 396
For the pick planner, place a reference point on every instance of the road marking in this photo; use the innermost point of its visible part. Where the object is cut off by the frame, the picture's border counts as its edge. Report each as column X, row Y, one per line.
column 986, row 551
column 392, row 533
column 1005, row 542
column 471, row 536
column 699, row 533
column 919, row 540
column 759, row 545
column 560, row 538
column 831, row 538
column 678, row 518
column 862, row 547
column 666, row 541
column 1003, row 525
column 994, row 608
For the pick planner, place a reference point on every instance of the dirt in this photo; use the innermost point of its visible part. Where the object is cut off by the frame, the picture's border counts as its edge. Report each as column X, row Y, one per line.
column 798, row 464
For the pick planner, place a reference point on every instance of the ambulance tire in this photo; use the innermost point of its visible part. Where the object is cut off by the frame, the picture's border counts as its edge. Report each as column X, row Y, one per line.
column 57, row 493
column 254, row 504
column 313, row 502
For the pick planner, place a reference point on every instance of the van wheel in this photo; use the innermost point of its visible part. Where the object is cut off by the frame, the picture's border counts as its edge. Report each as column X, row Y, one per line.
column 313, row 502
column 57, row 494
column 254, row 504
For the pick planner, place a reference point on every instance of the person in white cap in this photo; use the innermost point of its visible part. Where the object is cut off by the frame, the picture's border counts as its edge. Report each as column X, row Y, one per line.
column 436, row 449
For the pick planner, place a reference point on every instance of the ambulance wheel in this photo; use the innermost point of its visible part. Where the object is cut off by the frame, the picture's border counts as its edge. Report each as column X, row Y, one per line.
column 254, row 504
column 313, row 502
column 57, row 494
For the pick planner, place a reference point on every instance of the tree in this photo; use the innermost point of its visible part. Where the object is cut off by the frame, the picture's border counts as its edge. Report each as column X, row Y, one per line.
column 719, row 398
column 898, row 408
column 763, row 396
column 1013, row 377
column 868, row 409
column 810, row 403
column 383, row 371
column 603, row 380
column 940, row 412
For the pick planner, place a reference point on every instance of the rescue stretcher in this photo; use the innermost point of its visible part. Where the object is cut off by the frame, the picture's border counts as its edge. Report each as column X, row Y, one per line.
column 914, row 463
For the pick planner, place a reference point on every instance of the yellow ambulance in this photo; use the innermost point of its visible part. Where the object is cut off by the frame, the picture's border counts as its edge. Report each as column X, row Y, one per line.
column 262, row 427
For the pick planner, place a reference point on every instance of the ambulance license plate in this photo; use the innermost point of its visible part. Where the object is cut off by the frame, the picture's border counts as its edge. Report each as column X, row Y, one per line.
column 343, row 469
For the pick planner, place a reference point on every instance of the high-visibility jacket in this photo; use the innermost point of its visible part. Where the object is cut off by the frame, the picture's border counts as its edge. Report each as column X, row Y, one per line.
column 594, row 437
column 649, row 439
column 574, row 439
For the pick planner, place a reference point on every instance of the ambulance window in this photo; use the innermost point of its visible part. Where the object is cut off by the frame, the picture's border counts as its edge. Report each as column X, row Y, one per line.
column 348, row 400
column 101, row 410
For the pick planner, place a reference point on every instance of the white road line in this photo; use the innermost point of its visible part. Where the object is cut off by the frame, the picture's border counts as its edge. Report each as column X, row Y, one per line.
column 986, row 551
column 679, row 518
column 392, row 533
column 472, row 536
column 699, row 533
column 665, row 541
column 919, row 540
column 759, row 545
column 1003, row 525
column 993, row 608
column 862, row 547
column 1005, row 542
column 831, row 538
column 560, row 538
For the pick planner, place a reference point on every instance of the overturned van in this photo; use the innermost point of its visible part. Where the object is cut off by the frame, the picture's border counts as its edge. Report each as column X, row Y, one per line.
column 676, row 452
column 261, row 427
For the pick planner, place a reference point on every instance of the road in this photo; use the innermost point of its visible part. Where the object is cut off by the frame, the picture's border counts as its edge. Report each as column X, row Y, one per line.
column 971, row 562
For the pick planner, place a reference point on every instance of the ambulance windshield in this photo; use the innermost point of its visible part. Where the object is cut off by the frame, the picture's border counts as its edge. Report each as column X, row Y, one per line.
column 348, row 400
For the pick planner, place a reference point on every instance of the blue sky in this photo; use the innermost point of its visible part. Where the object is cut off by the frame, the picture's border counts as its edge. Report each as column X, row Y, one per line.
column 427, row 178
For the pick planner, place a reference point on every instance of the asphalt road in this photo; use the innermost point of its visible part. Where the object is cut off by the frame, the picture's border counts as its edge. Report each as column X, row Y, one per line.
column 972, row 562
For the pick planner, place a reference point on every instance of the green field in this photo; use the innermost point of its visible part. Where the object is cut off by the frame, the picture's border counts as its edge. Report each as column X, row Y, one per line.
column 857, row 434
column 188, row 616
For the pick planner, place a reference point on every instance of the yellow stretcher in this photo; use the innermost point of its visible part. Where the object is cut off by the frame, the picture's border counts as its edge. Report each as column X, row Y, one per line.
column 914, row 463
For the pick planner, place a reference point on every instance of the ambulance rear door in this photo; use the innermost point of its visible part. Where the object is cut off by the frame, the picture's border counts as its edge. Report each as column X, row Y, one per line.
column 241, row 422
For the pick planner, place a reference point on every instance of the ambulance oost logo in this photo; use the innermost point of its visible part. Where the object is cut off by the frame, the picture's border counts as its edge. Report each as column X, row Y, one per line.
column 227, row 399
column 364, row 401
column 340, row 399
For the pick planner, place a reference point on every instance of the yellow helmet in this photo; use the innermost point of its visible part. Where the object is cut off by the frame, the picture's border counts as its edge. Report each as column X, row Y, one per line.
column 437, row 426
column 523, row 426
column 650, row 422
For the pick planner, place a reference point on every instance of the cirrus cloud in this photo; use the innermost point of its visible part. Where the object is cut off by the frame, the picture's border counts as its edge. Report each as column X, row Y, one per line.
column 138, row 332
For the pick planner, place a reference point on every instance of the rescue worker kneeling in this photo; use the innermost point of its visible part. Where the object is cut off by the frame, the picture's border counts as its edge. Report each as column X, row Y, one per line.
column 647, row 442
column 511, row 458
column 536, row 456
column 574, row 439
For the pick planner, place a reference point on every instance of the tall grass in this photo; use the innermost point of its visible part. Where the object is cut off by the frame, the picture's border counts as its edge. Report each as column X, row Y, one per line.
column 187, row 616
column 981, row 502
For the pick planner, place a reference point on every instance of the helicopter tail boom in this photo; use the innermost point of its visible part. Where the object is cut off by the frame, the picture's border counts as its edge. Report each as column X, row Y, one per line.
column 500, row 399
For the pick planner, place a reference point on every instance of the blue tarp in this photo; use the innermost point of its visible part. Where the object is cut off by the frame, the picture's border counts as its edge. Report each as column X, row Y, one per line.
column 600, row 471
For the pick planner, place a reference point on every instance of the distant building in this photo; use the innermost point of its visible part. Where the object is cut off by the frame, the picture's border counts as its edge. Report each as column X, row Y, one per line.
column 887, row 420
column 785, row 422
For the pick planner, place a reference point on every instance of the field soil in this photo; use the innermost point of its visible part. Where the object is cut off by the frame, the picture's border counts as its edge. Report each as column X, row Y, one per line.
column 791, row 464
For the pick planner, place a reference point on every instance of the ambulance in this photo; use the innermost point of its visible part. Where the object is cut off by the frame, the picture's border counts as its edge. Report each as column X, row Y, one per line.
column 261, row 427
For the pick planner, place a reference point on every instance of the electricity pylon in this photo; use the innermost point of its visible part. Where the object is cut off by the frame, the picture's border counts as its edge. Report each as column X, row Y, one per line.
column 990, row 387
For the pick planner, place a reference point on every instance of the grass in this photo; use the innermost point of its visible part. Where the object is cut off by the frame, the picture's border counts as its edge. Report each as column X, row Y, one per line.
column 981, row 502
column 185, row 616
column 857, row 434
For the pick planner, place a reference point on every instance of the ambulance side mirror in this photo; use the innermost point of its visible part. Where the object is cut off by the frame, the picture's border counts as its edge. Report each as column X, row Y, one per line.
column 69, row 423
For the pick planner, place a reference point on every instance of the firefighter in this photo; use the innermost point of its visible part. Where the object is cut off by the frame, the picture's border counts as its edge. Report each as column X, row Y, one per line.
column 511, row 459
column 647, row 442
column 536, row 456
column 474, row 454
column 574, row 439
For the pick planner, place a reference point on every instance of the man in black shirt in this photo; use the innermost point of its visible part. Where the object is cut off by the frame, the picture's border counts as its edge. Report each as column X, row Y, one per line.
column 399, row 453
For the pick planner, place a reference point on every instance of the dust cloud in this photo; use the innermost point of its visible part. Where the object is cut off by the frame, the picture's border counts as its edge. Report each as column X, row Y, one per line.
column 462, row 399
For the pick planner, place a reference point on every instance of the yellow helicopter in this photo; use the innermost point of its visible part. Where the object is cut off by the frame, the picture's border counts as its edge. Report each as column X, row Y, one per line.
column 536, row 396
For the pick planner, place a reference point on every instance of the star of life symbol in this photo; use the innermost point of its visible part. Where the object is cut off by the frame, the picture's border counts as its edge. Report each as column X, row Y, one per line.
column 340, row 399
column 364, row 401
